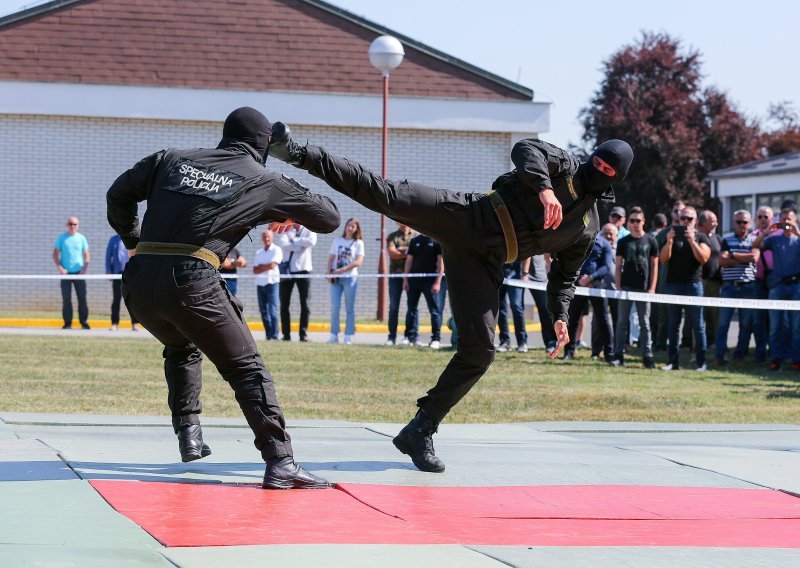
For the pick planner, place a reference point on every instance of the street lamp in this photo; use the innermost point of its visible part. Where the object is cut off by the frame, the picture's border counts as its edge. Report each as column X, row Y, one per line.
column 385, row 53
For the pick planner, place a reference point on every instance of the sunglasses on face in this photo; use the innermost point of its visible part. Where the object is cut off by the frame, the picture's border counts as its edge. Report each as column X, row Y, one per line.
column 72, row 224
column 614, row 216
column 742, row 222
column 634, row 220
column 763, row 216
column 686, row 218
column 603, row 166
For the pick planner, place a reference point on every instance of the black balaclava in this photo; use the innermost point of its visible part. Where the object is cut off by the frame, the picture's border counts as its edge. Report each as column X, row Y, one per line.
column 247, row 125
column 617, row 154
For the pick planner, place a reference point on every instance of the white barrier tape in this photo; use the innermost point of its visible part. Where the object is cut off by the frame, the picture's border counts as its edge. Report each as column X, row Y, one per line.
column 579, row 290
column 668, row 298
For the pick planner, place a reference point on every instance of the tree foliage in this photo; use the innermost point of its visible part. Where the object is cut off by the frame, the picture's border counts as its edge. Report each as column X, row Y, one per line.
column 786, row 137
column 651, row 96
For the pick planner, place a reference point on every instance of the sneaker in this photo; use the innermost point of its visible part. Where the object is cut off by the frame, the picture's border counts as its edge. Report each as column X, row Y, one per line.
column 417, row 344
column 615, row 363
column 390, row 342
column 85, row 326
column 434, row 344
column 568, row 356
column 649, row 363
column 503, row 347
column 135, row 327
column 333, row 339
column 775, row 365
column 581, row 345
column 551, row 347
column 405, row 341
column 348, row 339
column 66, row 326
column 114, row 327
column 693, row 358
column 523, row 348
column 702, row 368
column 670, row 367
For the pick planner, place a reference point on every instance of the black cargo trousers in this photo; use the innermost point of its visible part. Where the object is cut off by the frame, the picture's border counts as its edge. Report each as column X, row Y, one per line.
column 185, row 304
column 473, row 248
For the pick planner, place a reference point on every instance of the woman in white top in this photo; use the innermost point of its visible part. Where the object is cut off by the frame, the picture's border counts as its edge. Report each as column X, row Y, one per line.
column 347, row 254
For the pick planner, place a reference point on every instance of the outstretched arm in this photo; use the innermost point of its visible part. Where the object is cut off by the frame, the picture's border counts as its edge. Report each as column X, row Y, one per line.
column 561, row 287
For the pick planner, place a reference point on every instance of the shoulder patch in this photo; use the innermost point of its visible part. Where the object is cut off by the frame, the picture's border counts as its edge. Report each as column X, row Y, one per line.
column 294, row 182
column 194, row 178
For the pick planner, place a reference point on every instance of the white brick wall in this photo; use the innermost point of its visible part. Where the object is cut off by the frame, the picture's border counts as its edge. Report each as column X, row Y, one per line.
column 56, row 167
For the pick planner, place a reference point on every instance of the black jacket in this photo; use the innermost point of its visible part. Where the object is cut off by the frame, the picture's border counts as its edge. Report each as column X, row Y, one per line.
column 539, row 165
column 210, row 198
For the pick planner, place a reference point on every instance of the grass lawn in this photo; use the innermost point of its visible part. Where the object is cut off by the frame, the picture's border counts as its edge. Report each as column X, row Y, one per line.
column 95, row 375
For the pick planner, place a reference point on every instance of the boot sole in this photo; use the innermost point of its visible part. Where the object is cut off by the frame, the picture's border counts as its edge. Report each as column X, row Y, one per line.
column 190, row 457
column 400, row 445
column 291, row 484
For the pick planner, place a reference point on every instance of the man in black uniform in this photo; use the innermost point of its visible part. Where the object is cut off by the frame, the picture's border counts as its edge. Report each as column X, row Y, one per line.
column 546, row 204
column 200, row 203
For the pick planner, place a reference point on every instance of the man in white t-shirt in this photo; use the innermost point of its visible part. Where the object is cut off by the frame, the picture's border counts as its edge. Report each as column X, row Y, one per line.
column 265, row 267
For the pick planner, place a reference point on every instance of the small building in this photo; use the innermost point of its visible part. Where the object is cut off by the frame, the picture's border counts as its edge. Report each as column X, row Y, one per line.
column 89, row 87
column 756, row 184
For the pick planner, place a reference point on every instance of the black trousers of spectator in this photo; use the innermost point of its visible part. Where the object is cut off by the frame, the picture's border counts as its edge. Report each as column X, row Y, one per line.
column 66, row 301
column 598, row 346
column 548, row 333
column 474, row 251
column 116, row 300
column 601, row 313
column 304, row 291
column 185, row 304
column 513, row 297
column 395, row 294
column 422, row 287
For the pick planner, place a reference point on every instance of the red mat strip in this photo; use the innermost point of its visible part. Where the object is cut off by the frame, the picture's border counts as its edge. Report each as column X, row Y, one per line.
column 181, row 514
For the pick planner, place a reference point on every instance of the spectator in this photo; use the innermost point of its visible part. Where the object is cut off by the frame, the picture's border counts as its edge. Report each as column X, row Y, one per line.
column 738, row 261
column 230, row 265
column 784, row 284
column 617, row 218
column 540, row 265
column 424, row 257
column 609, row 232
column 519, row 271
column 116, row 260
column 347, row 254
column 658, row 224
column 660, row 324
column 71, row 255
column 296, row 244
column 268, row 278
column 685, row 252
column 712, row 275
column 397, row 245
column 636, row 271
column 592, row 275
column 759, row 317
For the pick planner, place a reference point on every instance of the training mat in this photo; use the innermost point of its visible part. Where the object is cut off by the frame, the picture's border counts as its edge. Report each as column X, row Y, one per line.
column 510, row 516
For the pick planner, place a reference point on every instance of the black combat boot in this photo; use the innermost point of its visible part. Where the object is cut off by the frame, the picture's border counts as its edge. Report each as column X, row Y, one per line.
column 190, row 443
column 284, row 148
column 416, row 440
column 283, row 473
column 649, row 363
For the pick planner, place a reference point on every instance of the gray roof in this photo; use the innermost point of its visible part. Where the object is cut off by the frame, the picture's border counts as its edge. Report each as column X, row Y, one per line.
column 783, row 164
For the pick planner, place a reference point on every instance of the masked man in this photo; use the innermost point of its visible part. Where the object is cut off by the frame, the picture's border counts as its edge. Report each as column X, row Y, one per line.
column 200, row 203
column 546, row 204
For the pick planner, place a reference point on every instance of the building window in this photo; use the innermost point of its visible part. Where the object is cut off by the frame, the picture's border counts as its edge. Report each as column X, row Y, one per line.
column 774, row 200
column 739, row 202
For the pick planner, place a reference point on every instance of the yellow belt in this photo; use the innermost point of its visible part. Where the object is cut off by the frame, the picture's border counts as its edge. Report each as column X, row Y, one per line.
column 505, row 222
column 169, row 249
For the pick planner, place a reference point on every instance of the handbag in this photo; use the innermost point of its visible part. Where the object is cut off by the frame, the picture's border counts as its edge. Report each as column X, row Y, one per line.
column 283, row 267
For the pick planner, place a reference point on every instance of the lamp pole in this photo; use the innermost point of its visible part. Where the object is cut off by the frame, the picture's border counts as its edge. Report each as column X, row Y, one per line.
column 385, row 53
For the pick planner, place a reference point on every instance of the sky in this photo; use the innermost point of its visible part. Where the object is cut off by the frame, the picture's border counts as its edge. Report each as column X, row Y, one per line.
column 558, row 48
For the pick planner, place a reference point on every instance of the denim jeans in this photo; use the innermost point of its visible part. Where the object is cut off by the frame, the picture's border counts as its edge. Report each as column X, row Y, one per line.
column 731, row 290
column 760, row 323
column 623, row 323
column 517, row 302
column 695, row 316
column 779, row 349
column 268, row 307
column 422, row 287
column 346, row 287
column 395, row 294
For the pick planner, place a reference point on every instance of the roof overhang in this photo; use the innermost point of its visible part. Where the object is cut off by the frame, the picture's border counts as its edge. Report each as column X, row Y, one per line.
column 321, row 109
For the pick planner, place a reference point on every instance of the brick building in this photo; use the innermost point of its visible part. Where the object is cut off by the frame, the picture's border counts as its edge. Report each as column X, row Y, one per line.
column 88, row 87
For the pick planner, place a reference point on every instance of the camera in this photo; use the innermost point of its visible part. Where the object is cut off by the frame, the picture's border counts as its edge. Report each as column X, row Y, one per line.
column 680, row 231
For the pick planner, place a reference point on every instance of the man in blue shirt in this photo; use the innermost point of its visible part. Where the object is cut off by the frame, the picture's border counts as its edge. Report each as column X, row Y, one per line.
column 784, row 284
column 71, row 255
column 738, row 261
column 596, row 268
column 116, row 259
